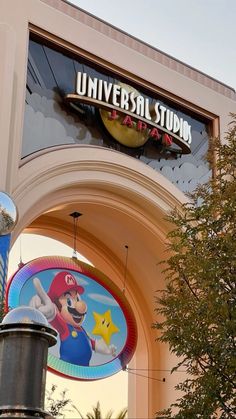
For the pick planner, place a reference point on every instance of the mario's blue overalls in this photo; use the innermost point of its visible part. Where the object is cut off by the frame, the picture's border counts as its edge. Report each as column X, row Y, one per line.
column 77, row 347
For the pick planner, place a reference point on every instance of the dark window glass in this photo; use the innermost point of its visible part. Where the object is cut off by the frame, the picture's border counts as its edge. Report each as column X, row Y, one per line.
column 51, row 121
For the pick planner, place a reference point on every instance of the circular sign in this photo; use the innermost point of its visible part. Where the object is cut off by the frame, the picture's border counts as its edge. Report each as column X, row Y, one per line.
column 97, row 332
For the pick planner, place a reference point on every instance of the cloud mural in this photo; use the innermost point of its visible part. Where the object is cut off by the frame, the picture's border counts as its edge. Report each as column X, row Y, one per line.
column 103, row 299
column 46, row 124
column 185, row 175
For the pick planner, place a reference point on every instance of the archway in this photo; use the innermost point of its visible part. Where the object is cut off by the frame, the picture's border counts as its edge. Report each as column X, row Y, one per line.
column 123, row 202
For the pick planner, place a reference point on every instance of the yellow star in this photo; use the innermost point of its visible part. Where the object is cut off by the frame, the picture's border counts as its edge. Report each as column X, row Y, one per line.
column 104, row 326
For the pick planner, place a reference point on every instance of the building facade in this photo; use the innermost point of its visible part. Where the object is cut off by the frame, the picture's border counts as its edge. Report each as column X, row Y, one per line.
column 96, row 121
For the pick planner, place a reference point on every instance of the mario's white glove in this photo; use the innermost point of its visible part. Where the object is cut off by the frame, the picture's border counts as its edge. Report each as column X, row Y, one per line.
column 102, row 348
column 42, row 301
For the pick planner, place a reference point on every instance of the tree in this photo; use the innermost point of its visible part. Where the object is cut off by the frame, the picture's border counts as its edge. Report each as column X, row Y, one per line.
column 3, row 309
column 6, row 221
column 58, row 405
column 97, row 414
column 197, row 309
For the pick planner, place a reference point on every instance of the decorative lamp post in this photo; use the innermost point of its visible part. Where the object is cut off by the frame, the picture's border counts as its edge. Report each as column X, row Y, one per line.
column 25, row 336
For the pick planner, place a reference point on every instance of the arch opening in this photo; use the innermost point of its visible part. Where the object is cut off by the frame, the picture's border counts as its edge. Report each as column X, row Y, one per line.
column 123, row 202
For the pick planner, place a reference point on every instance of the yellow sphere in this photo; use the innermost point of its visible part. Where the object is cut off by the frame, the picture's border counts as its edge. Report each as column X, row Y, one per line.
column 128, row 136
column 125, row 135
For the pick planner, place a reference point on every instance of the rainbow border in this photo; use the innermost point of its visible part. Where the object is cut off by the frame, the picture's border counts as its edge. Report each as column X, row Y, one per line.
column 56, row 365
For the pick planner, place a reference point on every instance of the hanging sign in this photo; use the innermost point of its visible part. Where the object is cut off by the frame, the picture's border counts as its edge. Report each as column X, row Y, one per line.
column 96, row 326
column 133, row 110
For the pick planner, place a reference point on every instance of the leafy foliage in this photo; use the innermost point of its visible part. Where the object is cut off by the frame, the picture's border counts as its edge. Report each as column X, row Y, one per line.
column 58, row 406
column 3, row 309
column 6, row 221
column 97, row 414
column 198, row 306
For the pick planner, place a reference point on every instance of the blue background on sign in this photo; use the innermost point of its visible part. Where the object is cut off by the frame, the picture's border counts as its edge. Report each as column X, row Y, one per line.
column 98, row 300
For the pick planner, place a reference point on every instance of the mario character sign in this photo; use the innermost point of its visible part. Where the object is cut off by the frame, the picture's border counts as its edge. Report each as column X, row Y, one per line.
column 65, row 310
column 96, row 327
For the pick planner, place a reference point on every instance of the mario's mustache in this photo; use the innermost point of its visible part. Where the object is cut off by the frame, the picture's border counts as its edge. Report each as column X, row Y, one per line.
column 75, row 313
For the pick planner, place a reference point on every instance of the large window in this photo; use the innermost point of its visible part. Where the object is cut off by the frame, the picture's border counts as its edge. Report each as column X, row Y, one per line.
column 51, row 121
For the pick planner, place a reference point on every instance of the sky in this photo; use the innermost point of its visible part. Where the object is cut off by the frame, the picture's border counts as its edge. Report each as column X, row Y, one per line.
column 200, row 33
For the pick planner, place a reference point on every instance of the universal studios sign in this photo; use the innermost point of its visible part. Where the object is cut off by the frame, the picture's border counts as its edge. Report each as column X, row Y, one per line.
column 136, row 110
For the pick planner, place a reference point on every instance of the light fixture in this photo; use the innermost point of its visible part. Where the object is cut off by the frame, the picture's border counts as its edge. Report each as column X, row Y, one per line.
column 75, row 215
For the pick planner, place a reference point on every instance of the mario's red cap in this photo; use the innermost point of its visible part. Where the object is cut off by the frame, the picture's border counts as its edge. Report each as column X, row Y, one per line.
column 63, row 282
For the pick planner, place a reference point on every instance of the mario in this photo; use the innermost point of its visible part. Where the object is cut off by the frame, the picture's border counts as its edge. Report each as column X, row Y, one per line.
column 66, row 311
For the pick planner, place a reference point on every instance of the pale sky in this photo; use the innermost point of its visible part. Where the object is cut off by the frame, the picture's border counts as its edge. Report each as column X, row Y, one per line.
column 200, row 33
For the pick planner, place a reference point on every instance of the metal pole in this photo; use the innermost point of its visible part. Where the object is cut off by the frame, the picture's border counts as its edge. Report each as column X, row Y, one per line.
column 24, row 340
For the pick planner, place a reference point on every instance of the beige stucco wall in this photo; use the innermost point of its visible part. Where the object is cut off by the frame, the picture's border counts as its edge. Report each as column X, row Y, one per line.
column 123, row 201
